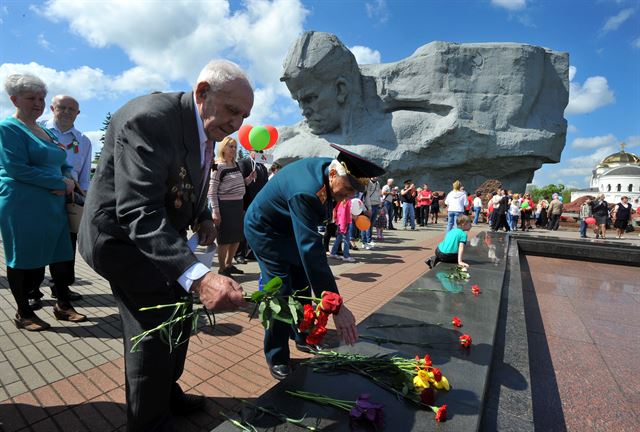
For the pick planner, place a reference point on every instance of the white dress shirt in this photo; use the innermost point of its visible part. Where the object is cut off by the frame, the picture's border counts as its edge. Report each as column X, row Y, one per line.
column 78, row 153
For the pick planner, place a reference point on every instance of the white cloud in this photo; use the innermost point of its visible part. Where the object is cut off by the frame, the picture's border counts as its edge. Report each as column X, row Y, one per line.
column 510, row 4
column 617, row 20
column 587, row 97
column 583, row 165
column 636, row 43
column 365, row 55
column 44, row 43
column 82, row 83
column 572, row 129
column 377, row 9
column 632, row 141
column 594, row 142
column 176, row 38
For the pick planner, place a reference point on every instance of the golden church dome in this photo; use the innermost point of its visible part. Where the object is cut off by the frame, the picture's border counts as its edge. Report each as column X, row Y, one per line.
column 621, row 157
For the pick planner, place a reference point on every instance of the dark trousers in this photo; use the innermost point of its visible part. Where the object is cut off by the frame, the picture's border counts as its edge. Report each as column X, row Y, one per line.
column 500, row 221
column 446, row 257
column 22, row 282
column 152, row 371
column 276, row 339
column 423, row 215
column 388, row 205
column 554, row 222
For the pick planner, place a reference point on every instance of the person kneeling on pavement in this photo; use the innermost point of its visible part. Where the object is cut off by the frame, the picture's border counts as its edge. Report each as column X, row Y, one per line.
column 450, row 249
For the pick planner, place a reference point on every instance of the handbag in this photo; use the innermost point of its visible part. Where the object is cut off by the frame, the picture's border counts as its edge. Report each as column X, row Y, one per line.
column 74, row 213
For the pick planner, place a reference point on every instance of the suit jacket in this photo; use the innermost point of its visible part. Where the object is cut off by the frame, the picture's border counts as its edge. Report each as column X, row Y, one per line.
column 262, row 176
column 146, row 190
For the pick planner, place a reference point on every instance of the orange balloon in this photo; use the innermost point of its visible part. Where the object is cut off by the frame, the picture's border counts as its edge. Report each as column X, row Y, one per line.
column 243, row 136
column 363, row 223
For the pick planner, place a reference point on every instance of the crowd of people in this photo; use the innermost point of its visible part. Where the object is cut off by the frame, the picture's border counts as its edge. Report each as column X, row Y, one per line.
column 158, row 178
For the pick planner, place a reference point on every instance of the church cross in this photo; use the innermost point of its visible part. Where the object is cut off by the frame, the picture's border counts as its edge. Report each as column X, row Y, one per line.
column 622, row 147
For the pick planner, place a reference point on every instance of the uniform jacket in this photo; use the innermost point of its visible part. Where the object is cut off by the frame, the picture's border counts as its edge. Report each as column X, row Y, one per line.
column 282, row 222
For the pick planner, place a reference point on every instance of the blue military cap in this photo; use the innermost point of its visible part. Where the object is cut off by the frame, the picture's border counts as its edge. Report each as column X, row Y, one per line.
column 359, row 170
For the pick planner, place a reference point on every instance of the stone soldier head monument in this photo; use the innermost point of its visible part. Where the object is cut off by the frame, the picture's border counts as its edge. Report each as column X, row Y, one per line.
column 468, row 111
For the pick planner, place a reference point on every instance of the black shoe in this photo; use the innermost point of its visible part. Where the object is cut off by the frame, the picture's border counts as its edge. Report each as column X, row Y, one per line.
column 35, row 304
column 73, row 296
column 429, row 262
column 234, row 270
column 308, row 348
column 393, row 229
column 186, row 404
column 280, row 371
column 240, row 260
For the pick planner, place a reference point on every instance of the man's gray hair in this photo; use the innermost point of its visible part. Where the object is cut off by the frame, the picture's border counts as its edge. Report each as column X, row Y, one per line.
column 17, row 84
column 219, row 72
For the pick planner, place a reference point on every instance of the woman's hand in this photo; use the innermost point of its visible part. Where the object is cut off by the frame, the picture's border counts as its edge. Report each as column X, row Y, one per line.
column 70, row 185
column 346, row 325
column 216, row 220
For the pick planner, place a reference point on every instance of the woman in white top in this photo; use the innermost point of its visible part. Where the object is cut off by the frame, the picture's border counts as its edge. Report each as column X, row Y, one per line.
column 455, row 202
column 477, row 207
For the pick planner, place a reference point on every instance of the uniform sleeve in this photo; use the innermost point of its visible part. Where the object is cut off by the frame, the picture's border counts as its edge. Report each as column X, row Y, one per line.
column 14, row 159
column 306, row 214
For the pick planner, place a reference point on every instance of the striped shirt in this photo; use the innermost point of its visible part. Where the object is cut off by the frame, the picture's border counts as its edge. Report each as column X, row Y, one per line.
column 226, row 184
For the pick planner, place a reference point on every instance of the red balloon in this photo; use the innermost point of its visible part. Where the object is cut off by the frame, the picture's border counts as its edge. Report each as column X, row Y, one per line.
column 243, row 136
column 273, row 136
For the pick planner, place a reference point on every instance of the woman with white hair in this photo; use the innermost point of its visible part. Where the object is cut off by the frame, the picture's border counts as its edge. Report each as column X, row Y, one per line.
column 34, row 180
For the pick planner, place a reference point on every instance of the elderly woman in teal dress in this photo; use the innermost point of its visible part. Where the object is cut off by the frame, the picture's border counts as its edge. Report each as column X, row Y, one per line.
column 34, row 180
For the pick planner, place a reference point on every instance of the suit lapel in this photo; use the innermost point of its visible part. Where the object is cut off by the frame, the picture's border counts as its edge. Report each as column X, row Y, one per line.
column 191, row 142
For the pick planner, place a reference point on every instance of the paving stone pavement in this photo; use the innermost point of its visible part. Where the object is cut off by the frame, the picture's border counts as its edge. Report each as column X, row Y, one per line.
column 71, row 378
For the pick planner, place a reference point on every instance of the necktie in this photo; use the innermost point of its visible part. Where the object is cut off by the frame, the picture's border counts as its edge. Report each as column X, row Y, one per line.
column 206, row 166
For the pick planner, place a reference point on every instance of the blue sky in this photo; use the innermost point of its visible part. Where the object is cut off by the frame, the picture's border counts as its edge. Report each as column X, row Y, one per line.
column 106, row 52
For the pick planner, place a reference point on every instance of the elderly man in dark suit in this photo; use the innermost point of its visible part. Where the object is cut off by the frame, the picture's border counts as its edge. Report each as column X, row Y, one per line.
column 149, row 188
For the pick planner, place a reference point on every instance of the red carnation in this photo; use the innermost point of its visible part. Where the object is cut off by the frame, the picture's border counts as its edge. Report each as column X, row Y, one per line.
column 323, row 318
column 456, row 322
column 437, row 374
column 308, row 318
column 427, row 360
column 475, row 289
column 331, row 302
column 317, row 335
column 441, row 414
column 427, row 396
column 465, row 340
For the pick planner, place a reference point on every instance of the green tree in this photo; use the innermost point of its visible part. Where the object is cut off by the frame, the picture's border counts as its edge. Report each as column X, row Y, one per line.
column 548, row 190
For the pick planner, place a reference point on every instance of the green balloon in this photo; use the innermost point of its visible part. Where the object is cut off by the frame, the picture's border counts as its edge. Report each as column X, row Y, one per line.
column 259, row 137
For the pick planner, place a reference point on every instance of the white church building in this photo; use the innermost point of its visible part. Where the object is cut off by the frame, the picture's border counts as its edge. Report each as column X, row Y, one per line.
column 615, row 176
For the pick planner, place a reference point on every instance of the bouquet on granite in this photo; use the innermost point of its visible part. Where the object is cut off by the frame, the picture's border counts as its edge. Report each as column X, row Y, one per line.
column 458, row 273
column 270, row 305
column 415, row 380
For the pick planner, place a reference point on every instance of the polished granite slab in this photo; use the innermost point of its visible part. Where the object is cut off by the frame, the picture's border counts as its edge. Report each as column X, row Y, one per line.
column 431, row 302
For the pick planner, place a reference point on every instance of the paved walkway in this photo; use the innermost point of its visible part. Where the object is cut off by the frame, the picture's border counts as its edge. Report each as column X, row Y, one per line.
column 71, row 378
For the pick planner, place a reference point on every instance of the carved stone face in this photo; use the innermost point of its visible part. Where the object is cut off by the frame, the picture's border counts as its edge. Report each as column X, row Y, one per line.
column 321, row 102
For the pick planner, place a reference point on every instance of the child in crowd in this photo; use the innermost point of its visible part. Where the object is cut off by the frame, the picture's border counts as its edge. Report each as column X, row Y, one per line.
column 342, row 218
column 381, row 222
column 450, row 249
column 514, row 211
